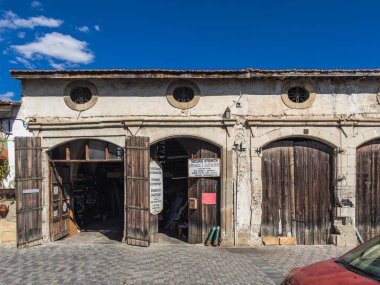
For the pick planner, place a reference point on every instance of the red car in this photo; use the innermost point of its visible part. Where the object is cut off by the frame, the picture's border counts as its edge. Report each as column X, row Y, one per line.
column 358, row 266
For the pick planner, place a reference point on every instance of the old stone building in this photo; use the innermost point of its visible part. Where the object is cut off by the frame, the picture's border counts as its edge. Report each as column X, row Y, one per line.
column 296, row 152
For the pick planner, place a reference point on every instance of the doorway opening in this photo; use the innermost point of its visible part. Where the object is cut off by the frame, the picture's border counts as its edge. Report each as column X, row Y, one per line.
column 87, row 189
column 185, row 216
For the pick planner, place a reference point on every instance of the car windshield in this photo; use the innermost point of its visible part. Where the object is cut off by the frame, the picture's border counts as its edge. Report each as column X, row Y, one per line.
column 364, row 260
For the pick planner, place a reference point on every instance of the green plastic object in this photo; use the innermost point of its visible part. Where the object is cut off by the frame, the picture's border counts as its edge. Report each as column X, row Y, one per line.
column 215, row 241
column 210, row 236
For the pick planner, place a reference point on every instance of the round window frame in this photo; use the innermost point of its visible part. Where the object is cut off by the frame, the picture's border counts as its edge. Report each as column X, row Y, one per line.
column 293, row 105
column 80, row 83
column 183, row 105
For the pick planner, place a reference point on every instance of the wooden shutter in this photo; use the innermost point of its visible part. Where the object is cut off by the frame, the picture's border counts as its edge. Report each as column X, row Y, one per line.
column 137, row 215
column 28, row 191
column 59, row 201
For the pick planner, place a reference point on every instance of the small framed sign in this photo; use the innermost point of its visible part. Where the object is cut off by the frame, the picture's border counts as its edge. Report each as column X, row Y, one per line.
column 204, row 167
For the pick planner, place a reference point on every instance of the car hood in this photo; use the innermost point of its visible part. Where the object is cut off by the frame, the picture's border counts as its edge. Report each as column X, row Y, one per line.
column 328, row 273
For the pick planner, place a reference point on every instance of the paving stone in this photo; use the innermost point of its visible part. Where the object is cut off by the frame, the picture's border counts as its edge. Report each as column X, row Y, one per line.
column 74, row 261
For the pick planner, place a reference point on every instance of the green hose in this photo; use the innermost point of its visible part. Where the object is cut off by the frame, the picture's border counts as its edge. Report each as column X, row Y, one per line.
column 210, row 236
column 215, row 241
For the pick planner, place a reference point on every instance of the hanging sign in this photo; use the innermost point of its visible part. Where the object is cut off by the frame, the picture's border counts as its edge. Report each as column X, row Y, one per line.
column 208, row 198
column 156, row 188
column 204, row 167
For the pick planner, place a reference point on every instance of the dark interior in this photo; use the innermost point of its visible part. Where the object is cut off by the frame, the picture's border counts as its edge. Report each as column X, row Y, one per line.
column 173, row 220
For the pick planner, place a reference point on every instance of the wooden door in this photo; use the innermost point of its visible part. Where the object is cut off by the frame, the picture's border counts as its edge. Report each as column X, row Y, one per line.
column 28, row 191
column 59, row 201
column 368, row 189
column 202, row 219
column 297, row 190
column 137, row 215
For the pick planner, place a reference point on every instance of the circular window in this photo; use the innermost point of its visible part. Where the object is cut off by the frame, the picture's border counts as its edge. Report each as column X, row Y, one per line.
column 80, row 95
column 183, row 94
column 298, row 94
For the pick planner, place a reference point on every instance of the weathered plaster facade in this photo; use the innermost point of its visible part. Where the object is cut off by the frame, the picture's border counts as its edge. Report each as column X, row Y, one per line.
column 345, row 113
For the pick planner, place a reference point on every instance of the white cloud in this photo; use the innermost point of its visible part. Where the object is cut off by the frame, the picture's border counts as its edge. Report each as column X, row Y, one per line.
column 36, row 4
column 97, row 28
column 83, row 29
column 24, row 62
column 7, row 96
column 11, row 21
column 57, row 46
column 21, row 35
column 58, row 66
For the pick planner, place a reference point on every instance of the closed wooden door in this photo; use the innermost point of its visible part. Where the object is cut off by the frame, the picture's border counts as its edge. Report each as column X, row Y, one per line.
column 28, row 191
column 297, row 190
column 59, row 201
column 202, row 219
column 368, row 189
column 137, row 215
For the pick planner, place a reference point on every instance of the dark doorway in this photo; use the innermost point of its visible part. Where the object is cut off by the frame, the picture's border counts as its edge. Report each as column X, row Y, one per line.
column 87, row 189
column 173, row 220
column 185, row 216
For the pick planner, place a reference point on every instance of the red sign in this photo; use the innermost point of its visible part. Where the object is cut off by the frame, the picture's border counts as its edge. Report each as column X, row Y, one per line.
column 208, row 198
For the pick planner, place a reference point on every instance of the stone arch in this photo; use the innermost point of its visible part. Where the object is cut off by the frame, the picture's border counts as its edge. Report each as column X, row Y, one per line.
column 65, row 141
column 186, row 136
column 365, row 137
column 321, row 139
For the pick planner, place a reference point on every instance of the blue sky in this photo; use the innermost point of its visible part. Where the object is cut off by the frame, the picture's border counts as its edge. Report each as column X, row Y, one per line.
column 184, row 34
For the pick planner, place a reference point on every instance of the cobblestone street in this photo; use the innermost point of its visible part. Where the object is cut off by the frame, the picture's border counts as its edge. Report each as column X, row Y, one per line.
column 99, row 261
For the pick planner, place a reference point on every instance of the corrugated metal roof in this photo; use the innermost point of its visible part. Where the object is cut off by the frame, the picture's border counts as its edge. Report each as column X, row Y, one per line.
column 175, row 73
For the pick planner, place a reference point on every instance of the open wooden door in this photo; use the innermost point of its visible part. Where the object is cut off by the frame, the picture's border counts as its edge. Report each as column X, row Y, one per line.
column 28, row 191
column 59, row 201
column 136, row 213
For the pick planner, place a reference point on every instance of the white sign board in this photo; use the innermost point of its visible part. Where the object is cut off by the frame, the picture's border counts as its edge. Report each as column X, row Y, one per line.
column 30, row 191
column 204, row 167
column 156, row 188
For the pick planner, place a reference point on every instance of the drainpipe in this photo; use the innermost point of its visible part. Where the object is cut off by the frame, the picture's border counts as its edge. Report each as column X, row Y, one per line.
column 235, row 192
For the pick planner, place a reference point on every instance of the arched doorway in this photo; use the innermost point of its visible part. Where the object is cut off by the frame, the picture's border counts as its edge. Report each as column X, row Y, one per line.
column 191, row 197
column 297, row 177
column 86, row 188
column 368, row 189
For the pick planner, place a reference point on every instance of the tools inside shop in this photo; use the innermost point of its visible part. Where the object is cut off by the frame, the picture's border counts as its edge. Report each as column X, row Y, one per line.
column 173, row 220
column 98, row 193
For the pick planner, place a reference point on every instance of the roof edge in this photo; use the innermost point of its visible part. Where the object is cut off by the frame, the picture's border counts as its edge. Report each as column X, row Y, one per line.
column 177, row 73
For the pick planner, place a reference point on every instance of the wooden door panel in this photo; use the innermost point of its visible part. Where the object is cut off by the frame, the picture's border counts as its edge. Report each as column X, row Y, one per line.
column 277, row 189
column 202, row 219
column 297, row 190
column 368, row 189
column 28, row 191
column 59, row 201
column 137, row 215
